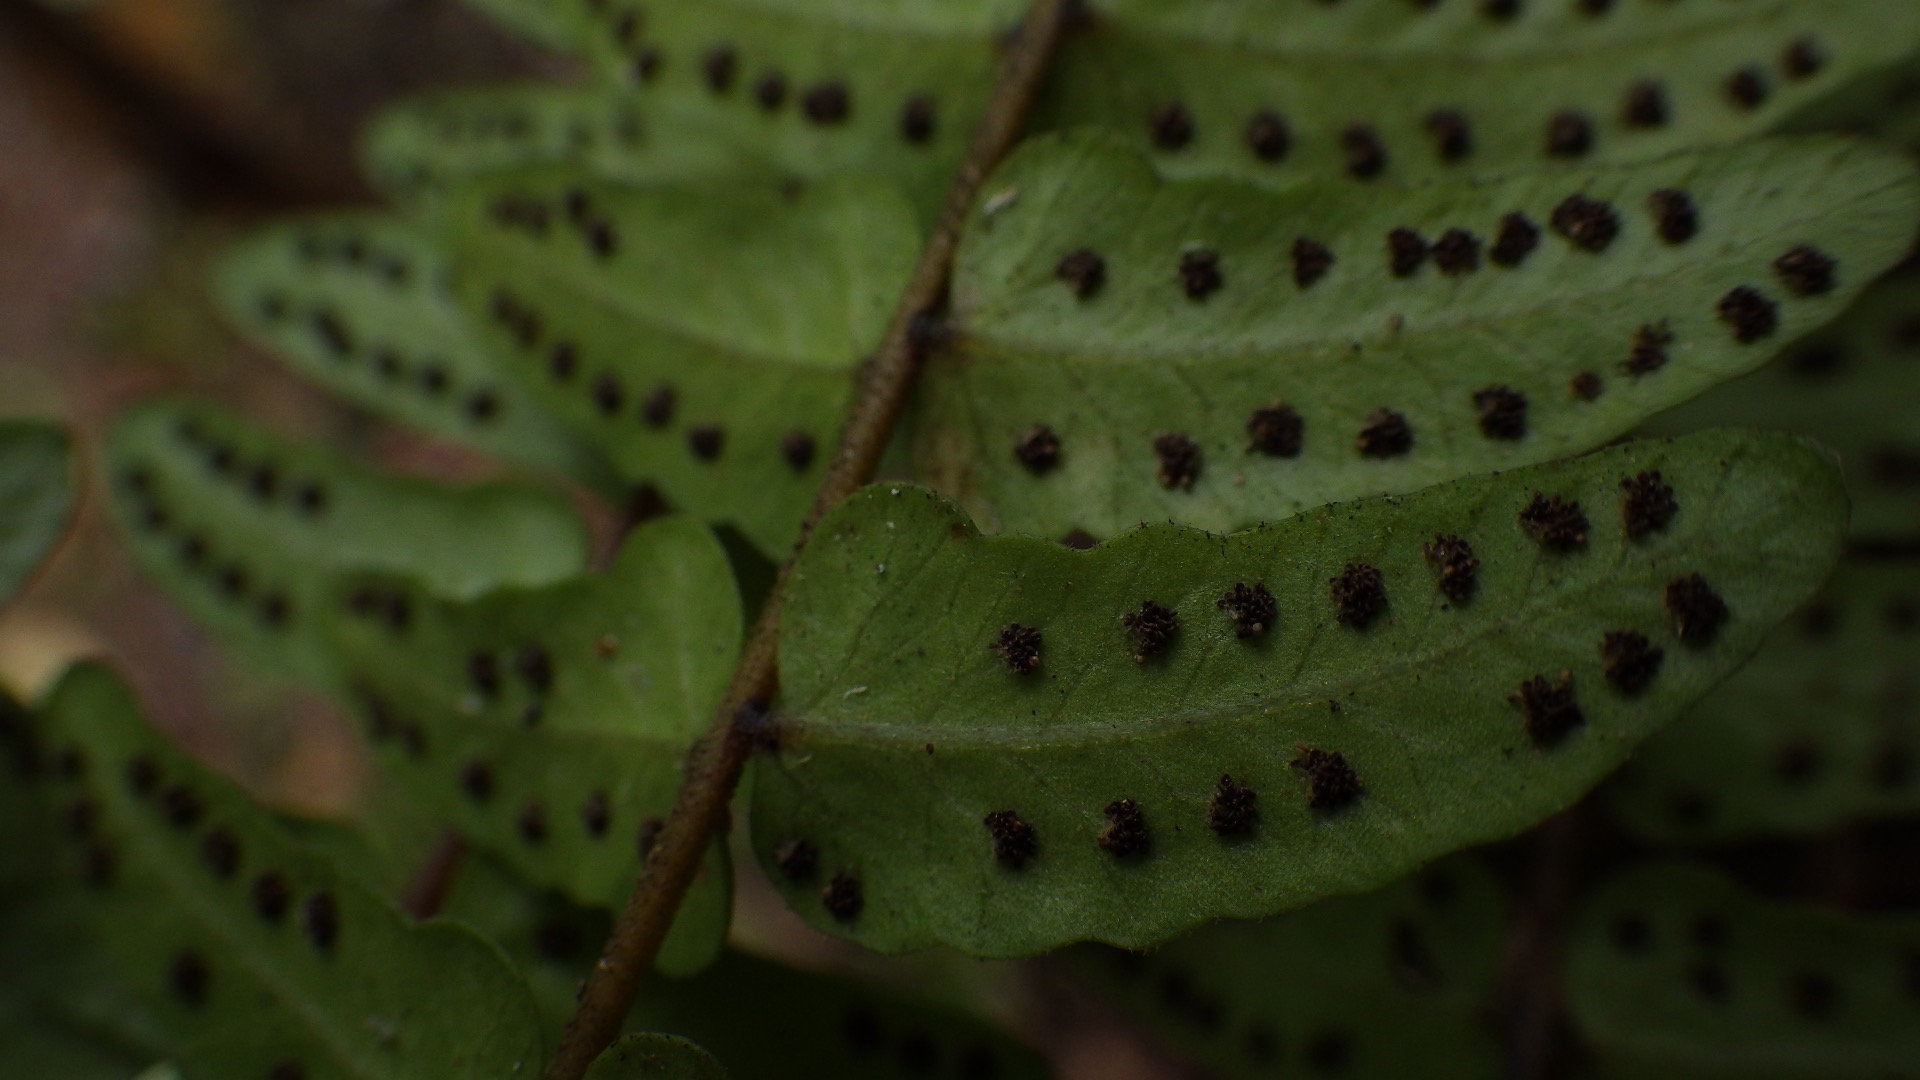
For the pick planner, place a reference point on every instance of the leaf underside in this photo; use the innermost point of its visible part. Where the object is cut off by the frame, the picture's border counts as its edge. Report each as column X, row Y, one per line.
column 660, row 1057
column 34, row 498
column 1490, row 369
column 1392, row 983
column 1676, row 972
column 240, row 950
column 249, row 532
column 548, row 725
column 904, row 729
column 1822, row 729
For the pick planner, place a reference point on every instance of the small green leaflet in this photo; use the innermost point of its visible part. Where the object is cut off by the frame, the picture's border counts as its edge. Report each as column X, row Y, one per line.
column 1392, row 983
column 655, row 1057
column 1821, row 730
column 244, row 950
column 1855, row 386
column 704, row 337
column 34, row 498
column 362, row 305
column 248, row 531
column 907, row 717
column 1675, row 972
column 1273, row 397
column 548, row 725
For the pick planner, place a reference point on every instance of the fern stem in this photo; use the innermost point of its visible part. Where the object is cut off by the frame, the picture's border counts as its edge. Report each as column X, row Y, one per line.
column 714, row 763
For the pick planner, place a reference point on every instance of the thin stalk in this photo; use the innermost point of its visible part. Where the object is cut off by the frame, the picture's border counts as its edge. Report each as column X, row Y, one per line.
column 713, row 764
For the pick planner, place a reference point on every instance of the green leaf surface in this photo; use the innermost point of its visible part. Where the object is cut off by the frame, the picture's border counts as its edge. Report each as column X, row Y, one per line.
column 1393, row 983
column 49, row 963
column 34, row 498
column 768, row 1022
column 903, row 729
column 1822, row 729
column 362, row 304
column 548, row 725
column 1853, row 385
column 1322, row 69
column 1112, row 373
column 249, row 531
column 1676, row 972
column 660, row 1057
column 704, row 337
column 247, row 951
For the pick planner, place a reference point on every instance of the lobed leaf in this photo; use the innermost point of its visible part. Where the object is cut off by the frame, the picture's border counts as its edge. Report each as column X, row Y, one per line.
column 1457, row 716
column 1392, row 983
column 34, row 498
column 1855, row 386
column 1676, row 972
column 1284, row 91
column 702, row 338
column 1263, row 398
column 246, row 953
column 1822, row 729
column 548, row 725
column 249, row 531
column 635, row 1057
column 362, row 305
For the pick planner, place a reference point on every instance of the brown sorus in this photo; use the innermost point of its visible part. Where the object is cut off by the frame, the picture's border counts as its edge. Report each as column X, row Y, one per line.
column 1649, row 351
column 1645, row 105
column 917, row 119
column 1586, row 386
column 1275, row 430
column 1696, row 610
column 1038, row 449
column 797, row 449
column 1126, row 833
column 1455, row 566
column 189, row 977
column 827, row 103
column 1452, row 134
column 1251, row 607
column 596, row 814
column 1179, row 460
column 1548, row 708
column 1360, row 592
column 1019, row 647
column 1751, row 315
column 1646, row 503
column 1232, row 811
column 842, row 897
column 1406, row 252
column 1802, row 59
column 1386, row 434
column 1014, row 844
column 1630, row 659
column 1269, row 137
column 1675, row 217
column 1084, row 272
column 1805, row 271
column 1457, row 252
column 657, row 409
column 1311, row 261
column 1569, row 135
column 1152, row 629
column 320, row 920
column 706, row 441
column 1516, row 240
column 1502, row 412
column 796, row 860
column 1170, row 126
column 1590, row 224
column 1556, row 523
column 1200, row 275
column 1331, row 782
column 1366, row 155
column 1748, row 87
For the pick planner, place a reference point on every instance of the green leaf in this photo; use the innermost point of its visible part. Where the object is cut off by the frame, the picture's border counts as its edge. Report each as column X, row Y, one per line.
column 636, row 1057
column 249, row 531
column 1113, row 372
column 557, row 24
column 34, row 498
column 49, row 961
column 1853, row 386
column 1676, row 972
column 1323, row 69
column 362, row 305
column 247, row 951
column 903, row 729
column 548, row 725
column 1392, row 983
column 769, row 1023
column 709, row 352
column 1822, row 729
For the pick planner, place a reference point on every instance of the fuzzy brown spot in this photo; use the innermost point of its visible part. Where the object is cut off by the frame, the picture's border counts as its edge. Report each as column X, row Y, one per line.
column 320, row 920
column 1014, row 844
column 1083, row 271
column 1646, row 503
column 1675, row 217
column 1645, row 105
column 1200, row 275
column 1548, row 709
column 1696, row 610
column 1232, row 811
column 1586, row 386
column 1170, row 126
column 1502, row 412
column 842, row 897
column 608, row 395
column 1406, row 252
column 1456, row 568
column 1590, row 224
column 827, row 103
column 1311, row 261
column 1569, row 135
column 656, row 411
column 220, row 851
column 1803, row 59
column 596, row 814
column 796, row 860
column 1269, row 137
column 1385, row 435
column 917, row 120
column 797, row 449
column 272, row 896
column 770, row 91
column 182, row 808
column 189, row 977
column 483, row 673
column 1151, row 629
column 1126, row 833
column 1457, row 252
column 1805, row 271
column 706, row 441
column 1748, row 88
column 1630, row 660
column 531, row 824
column 1275, row 430
column 476, row 779
column 1331, row 782
column 1452, row 134
column 1019, row 648
column 1751, row 315
column 1517, row 239
column 1038, row 449
column 718, row 67
column 1555, row 523
column 1360, row 593
column 1080, row 540
column 1180, row 461
column 1649, row 351
column 1366, row 155
column 1251, row 607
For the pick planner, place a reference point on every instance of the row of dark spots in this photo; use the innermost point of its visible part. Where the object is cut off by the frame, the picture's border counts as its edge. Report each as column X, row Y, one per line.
column 535, row 217
column 1890, row 769
column 1811, row 994
column 657, row 408
column 918, row 1053
column 354, row 253
column 478, row 784
column 229, row 579
column 430, row 376
column 262, row 480
column 1566, row 134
